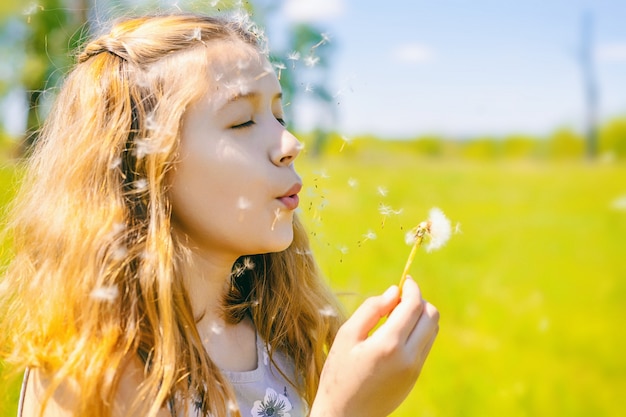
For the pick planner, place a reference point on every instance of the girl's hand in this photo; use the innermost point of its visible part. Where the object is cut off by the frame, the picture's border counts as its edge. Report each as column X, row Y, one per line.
column 370, row 375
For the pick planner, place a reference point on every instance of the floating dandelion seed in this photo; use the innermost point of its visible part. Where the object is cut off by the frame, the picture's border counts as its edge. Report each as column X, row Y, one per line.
column 248, row 263
column 353, row 183
column 106, row 293
column 370, row 235
column 144, row 147
column 303, row 252
column 325, row 39
column 382, row 191
column 437, row 230
column 277, row 214
column 293, row 57
column 308, row 88
column 328, row 311
column 311, row 60
column 387, row 211
column 343, row 249
column 243, row 203
column 216, row 328
column 345, row 141
column 279, row 68
column 141, row 185
column 196, row 35
column 116, row 163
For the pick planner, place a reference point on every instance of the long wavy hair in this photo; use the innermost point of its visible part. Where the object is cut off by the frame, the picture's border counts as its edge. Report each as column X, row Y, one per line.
column 95, row 274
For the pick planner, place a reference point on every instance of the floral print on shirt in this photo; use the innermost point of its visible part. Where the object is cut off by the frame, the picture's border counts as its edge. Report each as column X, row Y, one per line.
column 273, row 405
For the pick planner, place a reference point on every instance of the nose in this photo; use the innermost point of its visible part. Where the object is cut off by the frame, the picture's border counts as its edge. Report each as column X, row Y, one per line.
column 287, row 150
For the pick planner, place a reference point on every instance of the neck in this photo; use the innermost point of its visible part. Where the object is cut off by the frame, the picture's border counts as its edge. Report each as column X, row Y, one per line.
column 207, row 279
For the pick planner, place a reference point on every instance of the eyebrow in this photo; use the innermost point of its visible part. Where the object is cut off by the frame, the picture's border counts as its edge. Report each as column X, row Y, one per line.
column 253, row 95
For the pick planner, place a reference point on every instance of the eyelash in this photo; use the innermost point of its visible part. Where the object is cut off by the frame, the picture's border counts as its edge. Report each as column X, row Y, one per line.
column 251, row 122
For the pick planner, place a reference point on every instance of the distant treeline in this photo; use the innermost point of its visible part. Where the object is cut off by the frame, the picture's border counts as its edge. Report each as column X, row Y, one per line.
column 561, row 144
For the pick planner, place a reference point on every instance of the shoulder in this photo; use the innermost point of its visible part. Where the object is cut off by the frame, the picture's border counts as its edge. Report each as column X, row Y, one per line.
column 61, row 402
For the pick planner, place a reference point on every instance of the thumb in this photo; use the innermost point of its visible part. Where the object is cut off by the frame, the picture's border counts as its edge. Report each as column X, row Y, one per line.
column 367, row 316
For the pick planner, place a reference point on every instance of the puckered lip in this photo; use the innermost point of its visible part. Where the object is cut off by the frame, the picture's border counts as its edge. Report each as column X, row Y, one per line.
column 290, row 198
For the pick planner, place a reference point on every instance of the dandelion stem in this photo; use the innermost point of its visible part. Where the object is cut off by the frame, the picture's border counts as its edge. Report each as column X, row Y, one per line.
column 409, row 261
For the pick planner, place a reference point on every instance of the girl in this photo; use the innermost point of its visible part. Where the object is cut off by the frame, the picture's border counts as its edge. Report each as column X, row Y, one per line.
column 160, row 268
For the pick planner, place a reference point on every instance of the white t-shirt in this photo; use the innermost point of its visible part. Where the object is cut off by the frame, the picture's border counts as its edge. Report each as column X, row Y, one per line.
column 264, row 392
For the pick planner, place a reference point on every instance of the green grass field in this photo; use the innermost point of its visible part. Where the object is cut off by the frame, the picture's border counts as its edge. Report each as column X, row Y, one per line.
column 531, row 291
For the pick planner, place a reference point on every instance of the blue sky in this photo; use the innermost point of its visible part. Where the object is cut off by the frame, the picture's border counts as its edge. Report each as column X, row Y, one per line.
column 458, row 68
column 466, row 67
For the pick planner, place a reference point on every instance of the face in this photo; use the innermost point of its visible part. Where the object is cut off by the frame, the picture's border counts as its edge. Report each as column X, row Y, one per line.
column 234, row 189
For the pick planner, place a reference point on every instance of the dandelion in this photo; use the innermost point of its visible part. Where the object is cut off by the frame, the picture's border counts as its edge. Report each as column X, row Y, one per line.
column 107, row 293
column 308, row 88
column 353, row 182
column 437, row 230
column 382, row 191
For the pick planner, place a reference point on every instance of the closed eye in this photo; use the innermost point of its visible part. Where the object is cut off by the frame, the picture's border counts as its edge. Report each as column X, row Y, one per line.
column 281, row 121
column 243, row 125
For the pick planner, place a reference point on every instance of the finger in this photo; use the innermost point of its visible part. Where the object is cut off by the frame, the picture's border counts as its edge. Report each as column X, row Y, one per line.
column 405, row 316
column 368, row 314
column 424, row 333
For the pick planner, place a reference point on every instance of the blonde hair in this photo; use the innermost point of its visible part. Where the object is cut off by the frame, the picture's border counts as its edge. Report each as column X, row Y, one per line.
column 95, row 278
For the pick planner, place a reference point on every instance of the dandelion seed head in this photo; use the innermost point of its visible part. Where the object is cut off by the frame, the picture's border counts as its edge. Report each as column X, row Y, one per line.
column 279, row 66
column 440, row 229
column 107, row 293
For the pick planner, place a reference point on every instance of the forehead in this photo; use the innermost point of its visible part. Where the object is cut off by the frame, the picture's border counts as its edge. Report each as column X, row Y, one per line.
column 236, row 68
